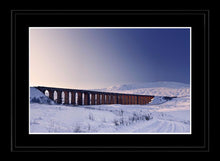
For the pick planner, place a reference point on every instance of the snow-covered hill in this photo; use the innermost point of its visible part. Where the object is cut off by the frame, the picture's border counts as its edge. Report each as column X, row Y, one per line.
column 152, row 88
column 37, row 96
column 133, row 86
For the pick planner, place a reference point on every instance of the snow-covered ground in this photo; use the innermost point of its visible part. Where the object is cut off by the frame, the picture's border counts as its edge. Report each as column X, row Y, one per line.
column 160, row 116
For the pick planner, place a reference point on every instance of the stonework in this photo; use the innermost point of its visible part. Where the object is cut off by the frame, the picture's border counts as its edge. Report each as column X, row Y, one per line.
column 96, row 98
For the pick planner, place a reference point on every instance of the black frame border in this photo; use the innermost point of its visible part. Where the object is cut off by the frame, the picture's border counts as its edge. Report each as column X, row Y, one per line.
column 204, row 148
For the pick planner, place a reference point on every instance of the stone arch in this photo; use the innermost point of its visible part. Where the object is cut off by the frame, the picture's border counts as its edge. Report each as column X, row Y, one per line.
column 46, row 92
column 79, row 98
column 86, row 98
column 55, row 96
column 95, row 98
column 100, row 98
column 76, row 98
column 106, row 99
column 73, row 98
column 118, row 99
column 83, row 98
column 115, row 99
column 112, row 99
column 70, row 97
column 109, row 99
column 103, row 99
column 90, row 98
column 59, row 99
column 62, row 97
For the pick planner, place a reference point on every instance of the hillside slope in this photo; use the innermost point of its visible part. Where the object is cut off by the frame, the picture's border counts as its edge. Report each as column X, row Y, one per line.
column 152, row 88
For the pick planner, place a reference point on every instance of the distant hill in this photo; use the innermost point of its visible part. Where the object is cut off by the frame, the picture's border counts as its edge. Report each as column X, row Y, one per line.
column 152, row 88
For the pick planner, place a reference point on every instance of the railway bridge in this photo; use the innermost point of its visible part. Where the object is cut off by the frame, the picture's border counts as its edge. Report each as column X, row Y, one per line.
column 89, row 97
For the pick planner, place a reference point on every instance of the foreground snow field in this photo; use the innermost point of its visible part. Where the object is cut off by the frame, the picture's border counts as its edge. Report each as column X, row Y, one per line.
column 160, row 116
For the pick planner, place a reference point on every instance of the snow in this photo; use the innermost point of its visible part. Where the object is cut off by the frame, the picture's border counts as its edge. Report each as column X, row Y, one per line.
column 161, row 116
column 37, row 96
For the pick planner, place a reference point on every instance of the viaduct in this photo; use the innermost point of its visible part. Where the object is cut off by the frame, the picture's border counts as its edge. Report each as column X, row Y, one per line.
column 87, row 97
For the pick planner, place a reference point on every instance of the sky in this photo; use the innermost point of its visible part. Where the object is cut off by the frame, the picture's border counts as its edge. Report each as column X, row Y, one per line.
column 91, row 58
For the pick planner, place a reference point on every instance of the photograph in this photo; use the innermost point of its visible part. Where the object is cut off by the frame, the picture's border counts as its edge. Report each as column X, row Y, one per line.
column 110, row 80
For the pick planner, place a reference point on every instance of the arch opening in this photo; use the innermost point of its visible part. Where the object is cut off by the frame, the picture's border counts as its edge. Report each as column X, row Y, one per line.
column 83, row 98
column 105, row 99
column 55, row 96
column 100, row 99
column 95, row 99
column 90, row 99
column 62, row 97
column 70, row 97
column 76, row 98
column 46, row 93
